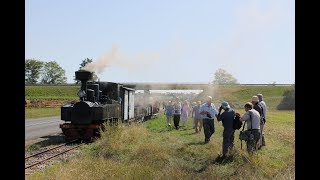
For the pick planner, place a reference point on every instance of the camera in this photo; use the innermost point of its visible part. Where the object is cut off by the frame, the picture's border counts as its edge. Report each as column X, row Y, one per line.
column 209, row 116
column 251, row 137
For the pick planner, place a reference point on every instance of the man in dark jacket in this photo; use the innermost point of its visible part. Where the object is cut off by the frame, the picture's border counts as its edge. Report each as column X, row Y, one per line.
column 258, row 107
column 264, row 116
column 228, row 132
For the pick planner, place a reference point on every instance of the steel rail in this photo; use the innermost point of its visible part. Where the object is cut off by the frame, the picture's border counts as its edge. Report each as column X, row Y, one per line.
column 50, row 149
column 39, row 162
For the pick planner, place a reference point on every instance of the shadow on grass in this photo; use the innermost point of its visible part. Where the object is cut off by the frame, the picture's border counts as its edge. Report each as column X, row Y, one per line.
column 196, row 143
column 217, row 161
column 188, row 134
column 224, row 160
column 48, row 140
column 184, row 128
column 205, row 165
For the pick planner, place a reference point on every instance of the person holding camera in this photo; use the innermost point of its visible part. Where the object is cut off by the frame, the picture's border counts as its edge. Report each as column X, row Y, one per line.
column 252, row 117
column 228, row 132
column 208, row 111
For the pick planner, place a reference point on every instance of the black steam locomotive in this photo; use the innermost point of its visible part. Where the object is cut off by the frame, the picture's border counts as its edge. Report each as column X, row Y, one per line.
column 100, row 102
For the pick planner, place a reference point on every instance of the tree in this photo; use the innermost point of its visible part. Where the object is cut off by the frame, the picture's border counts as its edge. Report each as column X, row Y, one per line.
column 83, row 64
column 32, row 70
column 221, row 76
column 53, row 73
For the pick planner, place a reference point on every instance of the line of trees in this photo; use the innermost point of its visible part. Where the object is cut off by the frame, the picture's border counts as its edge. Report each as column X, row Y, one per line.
column 51, row 72
column 44, row 72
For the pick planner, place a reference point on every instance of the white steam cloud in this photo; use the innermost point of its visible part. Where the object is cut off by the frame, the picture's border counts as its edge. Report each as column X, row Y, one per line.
column 117, row 58
column 99, row 65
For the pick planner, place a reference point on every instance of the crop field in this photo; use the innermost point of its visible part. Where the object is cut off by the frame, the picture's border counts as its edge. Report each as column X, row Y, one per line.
column 51, row 92
column 151, row 150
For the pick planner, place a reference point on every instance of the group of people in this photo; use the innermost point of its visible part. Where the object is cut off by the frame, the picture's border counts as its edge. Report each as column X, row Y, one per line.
column 203, row 116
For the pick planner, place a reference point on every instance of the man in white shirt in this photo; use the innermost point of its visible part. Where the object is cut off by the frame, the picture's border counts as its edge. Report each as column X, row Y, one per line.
column 252, row 117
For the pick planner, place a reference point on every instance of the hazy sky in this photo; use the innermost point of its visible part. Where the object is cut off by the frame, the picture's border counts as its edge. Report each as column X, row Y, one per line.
column 167, row 40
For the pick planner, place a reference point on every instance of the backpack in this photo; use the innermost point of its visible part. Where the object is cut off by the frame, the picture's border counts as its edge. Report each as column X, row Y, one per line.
column 237, row 124
column 262, row 119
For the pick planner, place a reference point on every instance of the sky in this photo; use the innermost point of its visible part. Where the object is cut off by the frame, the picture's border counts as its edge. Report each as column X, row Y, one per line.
column 180, row 41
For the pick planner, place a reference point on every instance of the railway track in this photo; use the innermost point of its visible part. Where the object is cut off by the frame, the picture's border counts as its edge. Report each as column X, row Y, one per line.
column 45, row 155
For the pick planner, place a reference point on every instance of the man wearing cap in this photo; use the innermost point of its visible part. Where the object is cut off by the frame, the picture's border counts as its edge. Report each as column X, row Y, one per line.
column 228, row 132
column 264, row 113
column 208, row 111
column 257, row 107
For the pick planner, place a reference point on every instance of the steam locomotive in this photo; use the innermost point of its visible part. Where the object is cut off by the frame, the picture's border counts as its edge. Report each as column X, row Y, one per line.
column 100, row 102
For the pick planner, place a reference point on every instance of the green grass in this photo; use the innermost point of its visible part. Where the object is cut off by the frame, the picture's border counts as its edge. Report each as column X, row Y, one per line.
column 239, row 95
column 41, row 112
column 51, row 92
column 153, row 151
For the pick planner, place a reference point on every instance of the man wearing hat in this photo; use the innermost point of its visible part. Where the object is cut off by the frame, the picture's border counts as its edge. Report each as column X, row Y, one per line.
column 264, row 113
column 257, row 107
column 228, row 132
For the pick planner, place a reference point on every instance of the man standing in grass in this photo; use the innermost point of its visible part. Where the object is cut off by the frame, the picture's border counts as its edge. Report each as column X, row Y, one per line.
column 252, row 117
column 169, row 112
column 228, row 132
column 208, row 111
column 264, row 113
column 194, row 104
column 197, row 117
column 185, row 112
column 176, row 113
column 257, row 106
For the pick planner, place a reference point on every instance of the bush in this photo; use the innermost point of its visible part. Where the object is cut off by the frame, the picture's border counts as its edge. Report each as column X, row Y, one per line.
column 288, row 101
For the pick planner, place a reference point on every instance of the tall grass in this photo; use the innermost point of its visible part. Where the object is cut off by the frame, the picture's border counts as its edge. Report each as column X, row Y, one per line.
column 154, row 151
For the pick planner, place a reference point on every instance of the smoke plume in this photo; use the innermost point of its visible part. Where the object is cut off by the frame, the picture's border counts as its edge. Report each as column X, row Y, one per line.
column 99, row 65
column 117, row 58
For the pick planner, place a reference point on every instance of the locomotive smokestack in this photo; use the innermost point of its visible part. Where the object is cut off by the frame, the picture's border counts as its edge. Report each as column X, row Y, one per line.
column 83, row 76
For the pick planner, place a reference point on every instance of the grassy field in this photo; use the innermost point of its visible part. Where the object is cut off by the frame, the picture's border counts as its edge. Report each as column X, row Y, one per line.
column 153, row 151
column 239, row 95
column 51, row 92
column 41, row 112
